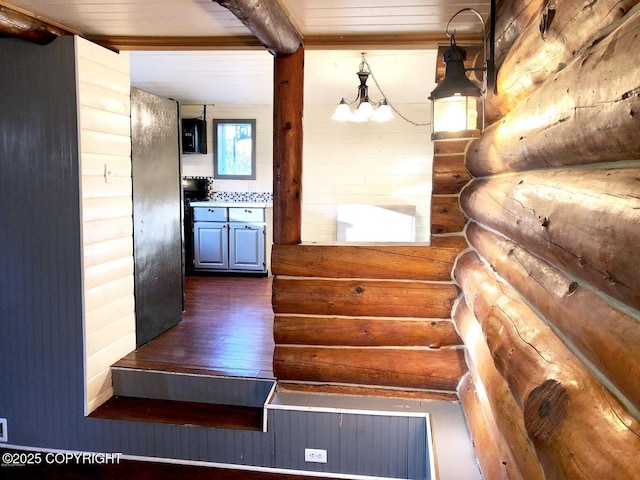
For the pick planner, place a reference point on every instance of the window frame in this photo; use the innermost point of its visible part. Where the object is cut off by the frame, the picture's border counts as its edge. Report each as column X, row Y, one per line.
column 219, row 123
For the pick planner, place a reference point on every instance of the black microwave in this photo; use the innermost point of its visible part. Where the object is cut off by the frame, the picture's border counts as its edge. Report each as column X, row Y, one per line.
column 194, row 135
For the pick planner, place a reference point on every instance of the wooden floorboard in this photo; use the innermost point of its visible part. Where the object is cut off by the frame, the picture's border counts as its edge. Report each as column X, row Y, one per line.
column 226, row 329
column 181, row 413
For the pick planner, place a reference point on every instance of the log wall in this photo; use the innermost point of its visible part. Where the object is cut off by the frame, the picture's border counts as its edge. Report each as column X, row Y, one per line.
column 370, row 318
column 550, row 304
column 367, row 315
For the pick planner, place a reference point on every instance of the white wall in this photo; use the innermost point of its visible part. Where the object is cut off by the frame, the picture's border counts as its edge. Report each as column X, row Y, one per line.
column 364, row 163
column 107, row 232
column 201, row 165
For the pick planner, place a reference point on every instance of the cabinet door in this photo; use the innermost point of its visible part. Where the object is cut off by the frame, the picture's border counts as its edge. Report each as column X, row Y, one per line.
column 210, row 245
column 246, row 246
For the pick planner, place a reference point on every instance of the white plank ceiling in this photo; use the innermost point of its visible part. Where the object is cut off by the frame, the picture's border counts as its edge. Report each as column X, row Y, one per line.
column 245, row 76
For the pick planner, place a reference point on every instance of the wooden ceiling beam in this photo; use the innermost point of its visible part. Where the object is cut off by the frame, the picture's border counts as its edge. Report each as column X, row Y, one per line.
column 321, row 42
column 388, row 41
column 118, row 43
column 17, row 24
column 269, row 22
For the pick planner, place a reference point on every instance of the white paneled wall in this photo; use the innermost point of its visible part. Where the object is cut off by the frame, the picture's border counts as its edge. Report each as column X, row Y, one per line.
column 202, row 164
column 105, row 145
column 364, row 163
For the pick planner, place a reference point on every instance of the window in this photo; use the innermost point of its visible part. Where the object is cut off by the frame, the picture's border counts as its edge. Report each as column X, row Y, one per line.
column 234, row 156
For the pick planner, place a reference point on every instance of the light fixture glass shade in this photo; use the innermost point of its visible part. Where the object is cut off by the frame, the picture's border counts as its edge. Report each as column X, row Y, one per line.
column 383, row 113
column 455, row 100
column 342, row 113
column 363, row 112
column 455, row 114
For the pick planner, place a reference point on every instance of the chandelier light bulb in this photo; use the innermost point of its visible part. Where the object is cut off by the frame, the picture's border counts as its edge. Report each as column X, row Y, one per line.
column 383, row 113
column 342, row 112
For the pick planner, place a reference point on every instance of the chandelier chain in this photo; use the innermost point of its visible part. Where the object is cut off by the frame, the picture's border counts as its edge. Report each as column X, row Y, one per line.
column 415, row 124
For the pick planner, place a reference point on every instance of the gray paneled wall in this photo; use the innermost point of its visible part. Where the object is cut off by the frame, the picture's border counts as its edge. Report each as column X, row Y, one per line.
column 377, row 445
column 40, row 279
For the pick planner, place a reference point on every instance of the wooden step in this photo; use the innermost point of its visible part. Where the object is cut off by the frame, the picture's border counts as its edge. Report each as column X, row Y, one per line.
column 186, row 398
column 181, row 413
column 190, row 387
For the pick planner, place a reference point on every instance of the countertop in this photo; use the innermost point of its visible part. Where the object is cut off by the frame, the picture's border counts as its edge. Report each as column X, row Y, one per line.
column 213, row 204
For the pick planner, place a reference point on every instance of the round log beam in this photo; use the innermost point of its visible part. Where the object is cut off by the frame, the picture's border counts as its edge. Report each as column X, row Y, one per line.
column 584, row 221
column 287, row 148
column 547, row 44
column 586, row 113
column 268, row 22
column 19, row 25
column 588, row 435
column 607, row 337
column 492, row 452
column 499, row 400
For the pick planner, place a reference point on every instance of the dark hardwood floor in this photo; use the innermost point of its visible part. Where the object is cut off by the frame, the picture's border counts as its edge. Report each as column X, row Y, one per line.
column 227, row 329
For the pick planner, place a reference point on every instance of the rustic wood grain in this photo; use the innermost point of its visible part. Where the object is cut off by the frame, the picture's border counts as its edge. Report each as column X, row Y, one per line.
column 438, row 369
column 446, row 216
column 512, row 16
column 583, row 221
column 386, row 298
column 449, row 174
column 226, row 329
column 269, row 22
column 494, row 458
column 609, row 338
column 586, row 113
column 568, row 422
column 363, row 331
column 287, row 147
column 408, row 262
column 547, row 44
column 181, row 413
column 365, row 391
column 445, row 147
column 505, row 411
column 24, row 27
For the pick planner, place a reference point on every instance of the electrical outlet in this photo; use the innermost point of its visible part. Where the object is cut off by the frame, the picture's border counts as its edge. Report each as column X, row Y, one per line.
column 315, row 455
column 3, row 430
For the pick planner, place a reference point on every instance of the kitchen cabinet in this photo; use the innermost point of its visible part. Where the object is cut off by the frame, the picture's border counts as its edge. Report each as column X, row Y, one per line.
column 246, row 246
column 211, row 243
column 229, row 239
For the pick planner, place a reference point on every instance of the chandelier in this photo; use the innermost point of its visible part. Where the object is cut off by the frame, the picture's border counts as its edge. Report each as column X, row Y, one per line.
column 365, row 108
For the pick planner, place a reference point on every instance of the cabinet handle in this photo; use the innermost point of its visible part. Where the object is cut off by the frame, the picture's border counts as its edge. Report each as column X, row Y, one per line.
column 247, row 211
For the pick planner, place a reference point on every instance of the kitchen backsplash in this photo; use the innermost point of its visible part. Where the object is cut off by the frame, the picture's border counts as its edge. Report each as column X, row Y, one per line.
column 257, row 197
